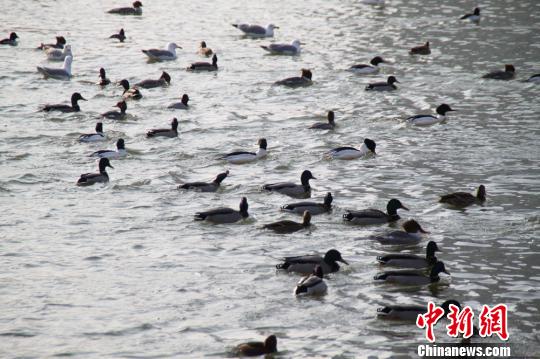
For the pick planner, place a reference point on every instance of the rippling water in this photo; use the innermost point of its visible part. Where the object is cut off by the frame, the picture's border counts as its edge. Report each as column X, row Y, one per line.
column 122, row 270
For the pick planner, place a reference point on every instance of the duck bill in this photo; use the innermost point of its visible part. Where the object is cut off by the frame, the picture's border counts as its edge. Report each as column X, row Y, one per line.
column 447, row 272
column 426, row 232
column 110, row 166
column 82, row 98
column 405, row 208
column 344, row 261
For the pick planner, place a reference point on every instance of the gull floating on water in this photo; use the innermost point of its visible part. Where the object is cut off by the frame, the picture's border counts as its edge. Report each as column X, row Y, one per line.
column 256, row 30
column 284, row 49
column 57, row 54
column 163, row 55
column 63, row 73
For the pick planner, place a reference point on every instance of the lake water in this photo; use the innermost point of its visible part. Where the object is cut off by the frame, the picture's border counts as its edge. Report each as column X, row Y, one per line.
column 122, row 270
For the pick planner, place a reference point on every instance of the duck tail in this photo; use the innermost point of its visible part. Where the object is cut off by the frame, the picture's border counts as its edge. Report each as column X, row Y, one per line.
column 235, row 25
column 199, row 216
column 300, row 289
column 265, row 48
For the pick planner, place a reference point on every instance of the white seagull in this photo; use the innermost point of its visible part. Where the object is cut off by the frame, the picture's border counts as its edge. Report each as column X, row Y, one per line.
column 63, row 73
column 284, row 49
column 256, row 30
column 163, row 55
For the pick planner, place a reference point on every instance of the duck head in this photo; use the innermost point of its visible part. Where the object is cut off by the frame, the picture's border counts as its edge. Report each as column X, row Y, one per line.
column 305, row 177
column 306, row 219
column 411, row 226
column 333, row 255
column 103, row 164
column 443, row 109
column 244, row 207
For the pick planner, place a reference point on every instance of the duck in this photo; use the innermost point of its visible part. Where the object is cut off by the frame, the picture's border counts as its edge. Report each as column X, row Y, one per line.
column 306, row 264
column 350, row 153
column 474, row 17
column 291, row 189
column 330, row 125
column 88, row 179
column 136, row 9
column 74, row 107
column 421, row 50
column 283, row 49
column 313, row 284
column 164, row 80
column 58, row 54
column 534, row 78
column 286, row 226
column 60, row 43
column 372, row 68
column 253, row 349
column 11, row 40
column 168, row 54
column 411, row 277
column 304, row 80
column 411, row 234
column 205, row 51
column 411, row 260
column 130, row 93
column 241, row 157
column 313, row 207
column 411, row 312
column 464, row 199
column 165, row 132
column 112, row 154
column 63, row 73
column 116, row 115
column 182, row 105
column 508, row 74
column 224, row 215
column 204, row 66
column 256, row 30
column 426, row 120
column 205, row 186
column 94, row 137
column 103, row 80
column 375, row 216
column 383, row 86
column 121, row 36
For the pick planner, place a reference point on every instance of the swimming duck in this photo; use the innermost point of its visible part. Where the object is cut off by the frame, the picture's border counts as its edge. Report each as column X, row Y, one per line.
column 103, row 80
column 411, row 312
column 94, row 137
column 304, row 80
column 11, row 41
column 411, row 234
column 302, row 190
column 136, row 9
column 313, row 207
column 224, row 215
column 330, row 125
column 116, row 115
column 426, row 120
column 205, row 186
column 283, row 49
column 312, row 284
column 474, row 17
column 58, row 54
column 121, row 36
column 373, row 68
column 464, row 199
column 256, row 30
column 63, row 73
column 286, row 226
column 164, row 80
column 162, row 55
column 307, row 263
column 411, row 277
column 165, row 132
column 241, row 157
column 75, row 98
column 421, row 50
column 350, row 153
column 534, row 78
column 182, row 105
column 411, row 260
column 60, row 43
column 132, row 93
column 383, row 86
column 252, row 349
column 375, row 216
column 88, row 179
column 204, row 66
column 112, row 154
column 205, row 51
column 508, row 73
